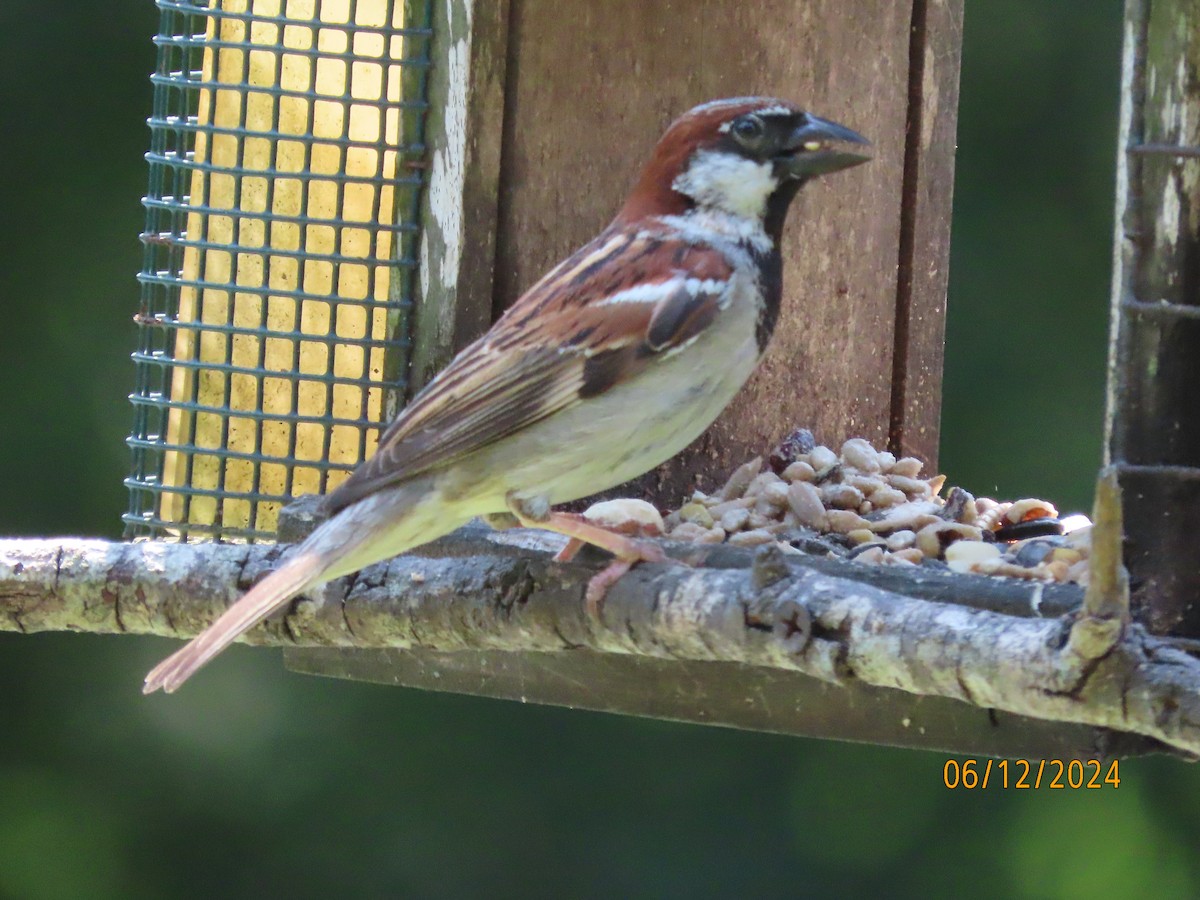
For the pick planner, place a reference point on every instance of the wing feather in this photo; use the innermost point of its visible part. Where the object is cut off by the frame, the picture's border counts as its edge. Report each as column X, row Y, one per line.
column 563, row 341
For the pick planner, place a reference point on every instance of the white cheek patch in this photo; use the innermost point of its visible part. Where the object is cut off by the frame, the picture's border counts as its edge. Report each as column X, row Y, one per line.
column 728, row 182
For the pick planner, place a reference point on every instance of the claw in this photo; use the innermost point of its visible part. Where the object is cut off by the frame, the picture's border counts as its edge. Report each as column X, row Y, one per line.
column 597, row 589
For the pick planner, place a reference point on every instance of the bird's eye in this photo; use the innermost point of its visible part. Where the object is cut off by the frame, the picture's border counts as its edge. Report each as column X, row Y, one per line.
column 748, row 129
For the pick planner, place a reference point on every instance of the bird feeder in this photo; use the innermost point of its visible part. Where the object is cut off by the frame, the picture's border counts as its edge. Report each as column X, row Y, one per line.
column 343, row 194
column 258, row 256
column 277, row 279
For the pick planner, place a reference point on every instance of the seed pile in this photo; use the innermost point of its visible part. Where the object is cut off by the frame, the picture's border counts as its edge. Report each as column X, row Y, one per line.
column 865, row 504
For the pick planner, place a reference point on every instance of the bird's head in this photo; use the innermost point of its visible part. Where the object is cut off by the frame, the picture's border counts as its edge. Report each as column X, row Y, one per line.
column 744, row 157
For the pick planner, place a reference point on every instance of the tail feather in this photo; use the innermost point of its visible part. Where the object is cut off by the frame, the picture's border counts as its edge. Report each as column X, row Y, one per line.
column 300, row 572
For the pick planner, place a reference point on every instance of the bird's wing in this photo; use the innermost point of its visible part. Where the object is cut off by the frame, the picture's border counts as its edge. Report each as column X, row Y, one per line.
column 591, row 323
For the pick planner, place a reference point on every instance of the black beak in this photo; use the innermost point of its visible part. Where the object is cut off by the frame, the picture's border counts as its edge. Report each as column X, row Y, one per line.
column 818, row 147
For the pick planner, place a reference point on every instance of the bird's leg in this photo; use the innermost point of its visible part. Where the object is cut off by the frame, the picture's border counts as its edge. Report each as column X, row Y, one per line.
column 505, row 520
column 570, row 551
column 627, row 550
column 535, row 514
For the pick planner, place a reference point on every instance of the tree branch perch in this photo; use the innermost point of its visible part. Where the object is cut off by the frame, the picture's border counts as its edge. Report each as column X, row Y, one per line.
column 496, row 591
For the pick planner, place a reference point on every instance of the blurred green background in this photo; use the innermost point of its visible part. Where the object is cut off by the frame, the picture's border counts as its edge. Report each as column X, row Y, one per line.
column 254, row 782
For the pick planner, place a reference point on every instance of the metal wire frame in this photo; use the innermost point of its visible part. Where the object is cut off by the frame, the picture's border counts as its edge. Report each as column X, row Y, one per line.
column 189, row 29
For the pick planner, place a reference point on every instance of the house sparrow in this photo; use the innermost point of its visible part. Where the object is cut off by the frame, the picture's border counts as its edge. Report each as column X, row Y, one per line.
column 616, row 360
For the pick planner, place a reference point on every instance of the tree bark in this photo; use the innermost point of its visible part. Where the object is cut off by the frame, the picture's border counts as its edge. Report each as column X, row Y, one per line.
column 498, row 591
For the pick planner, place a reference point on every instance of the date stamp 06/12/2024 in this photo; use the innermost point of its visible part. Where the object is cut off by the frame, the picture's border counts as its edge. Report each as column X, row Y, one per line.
column 1031, row 774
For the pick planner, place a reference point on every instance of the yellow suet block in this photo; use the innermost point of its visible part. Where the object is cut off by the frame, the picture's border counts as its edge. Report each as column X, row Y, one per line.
column 286, row 266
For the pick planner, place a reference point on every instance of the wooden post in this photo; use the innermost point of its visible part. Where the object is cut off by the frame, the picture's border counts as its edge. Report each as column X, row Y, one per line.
column 458, row 212
column 1153, row 425
column 935, row 56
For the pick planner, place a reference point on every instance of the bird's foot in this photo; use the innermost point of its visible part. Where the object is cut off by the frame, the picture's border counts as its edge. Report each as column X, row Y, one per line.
column 599, row 530
column 597, row 588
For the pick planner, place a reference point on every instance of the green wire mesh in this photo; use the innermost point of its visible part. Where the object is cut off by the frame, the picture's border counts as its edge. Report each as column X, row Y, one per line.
column 279, row 255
